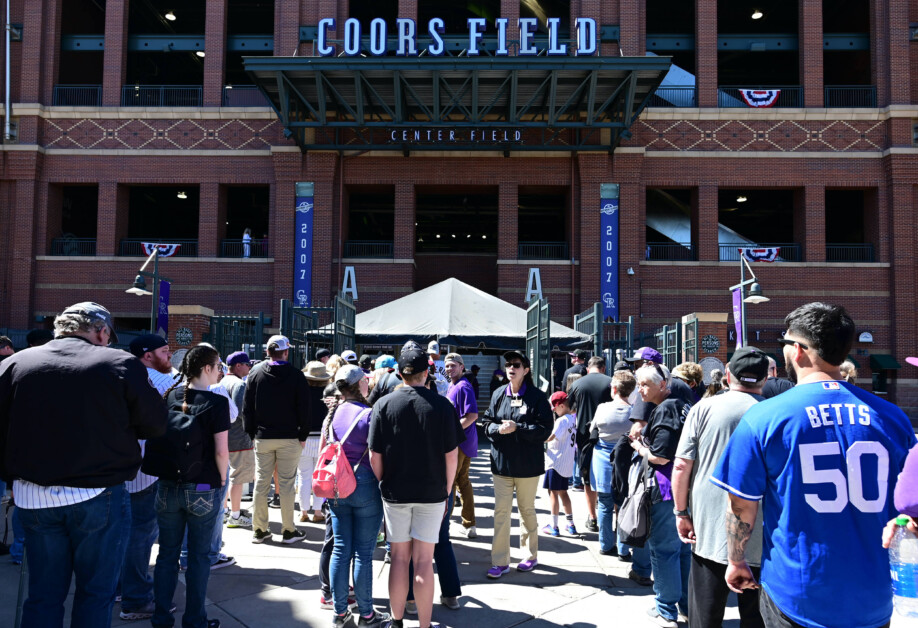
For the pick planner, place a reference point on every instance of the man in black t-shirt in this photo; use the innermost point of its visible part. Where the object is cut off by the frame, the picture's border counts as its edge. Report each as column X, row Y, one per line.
column 775, row 385
column 578, row 359
column 586, row 394
column 413, row 440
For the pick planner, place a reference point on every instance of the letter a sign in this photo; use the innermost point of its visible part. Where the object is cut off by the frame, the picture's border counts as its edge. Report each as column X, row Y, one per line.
column 533, row 285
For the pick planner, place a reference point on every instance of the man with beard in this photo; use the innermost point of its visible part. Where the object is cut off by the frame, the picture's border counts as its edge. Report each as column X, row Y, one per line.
column 136, row 582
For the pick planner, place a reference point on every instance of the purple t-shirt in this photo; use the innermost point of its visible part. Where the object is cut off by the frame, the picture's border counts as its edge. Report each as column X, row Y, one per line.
column 355, row 447
column 462, row 396
column 906, row 495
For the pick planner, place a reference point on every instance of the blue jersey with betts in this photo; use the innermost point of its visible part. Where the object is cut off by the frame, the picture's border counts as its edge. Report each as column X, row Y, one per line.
column 823, row 458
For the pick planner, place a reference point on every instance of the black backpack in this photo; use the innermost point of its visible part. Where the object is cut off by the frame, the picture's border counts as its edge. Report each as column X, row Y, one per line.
column 177, row 455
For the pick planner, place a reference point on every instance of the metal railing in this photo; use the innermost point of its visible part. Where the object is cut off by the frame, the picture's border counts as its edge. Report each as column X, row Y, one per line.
column 788, row 96
column 73, row 246
column 542, row 250
column 237, row 248
column 674, row 96
column 133, row 247
column 369, row 248
column 244, row 96
column 671, row 251
column 849, row 253
column 162, row 96
column 77, row 96
column 789, row 251
column 851, row 96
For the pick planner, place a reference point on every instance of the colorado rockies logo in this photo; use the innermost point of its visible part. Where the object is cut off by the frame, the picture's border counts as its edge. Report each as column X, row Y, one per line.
column 302, row 299
column 304, row 207
column 609, row 208
column 608, row 300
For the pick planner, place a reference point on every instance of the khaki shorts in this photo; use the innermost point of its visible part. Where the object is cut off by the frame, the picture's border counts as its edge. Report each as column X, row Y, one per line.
column 242, row 467
column 413, row 521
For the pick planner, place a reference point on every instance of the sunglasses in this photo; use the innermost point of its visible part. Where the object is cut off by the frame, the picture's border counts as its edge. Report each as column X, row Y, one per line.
column 791, row 343
column 513, row 365
column 660, row 371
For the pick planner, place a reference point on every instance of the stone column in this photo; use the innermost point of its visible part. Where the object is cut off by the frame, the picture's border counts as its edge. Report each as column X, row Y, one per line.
column 114, row 73
column 810, row 52
column 403, row 245
column 704, row 223
column 706, row 53
column 810, row 222
column 508, row 220
column 215, row 52
column 111, row 218
column 210, row 225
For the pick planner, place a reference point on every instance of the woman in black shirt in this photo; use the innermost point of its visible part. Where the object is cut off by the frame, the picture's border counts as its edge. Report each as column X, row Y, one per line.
column 188, row 460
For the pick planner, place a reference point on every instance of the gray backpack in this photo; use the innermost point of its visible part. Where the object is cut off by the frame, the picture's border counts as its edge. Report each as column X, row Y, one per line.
column 634, row 515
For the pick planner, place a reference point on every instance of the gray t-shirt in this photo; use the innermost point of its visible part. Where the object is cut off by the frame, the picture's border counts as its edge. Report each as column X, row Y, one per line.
column 612, row 420
column 708, row 427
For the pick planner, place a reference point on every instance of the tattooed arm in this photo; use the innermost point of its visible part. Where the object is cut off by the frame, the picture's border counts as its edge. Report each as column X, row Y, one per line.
column 741, row 515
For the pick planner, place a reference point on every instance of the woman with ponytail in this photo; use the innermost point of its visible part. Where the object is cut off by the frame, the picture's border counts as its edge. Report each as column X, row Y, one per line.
column 356, row 518
column 190, row 461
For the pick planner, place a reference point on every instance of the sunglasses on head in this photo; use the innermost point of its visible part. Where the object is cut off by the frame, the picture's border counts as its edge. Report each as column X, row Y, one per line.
column 790, row 343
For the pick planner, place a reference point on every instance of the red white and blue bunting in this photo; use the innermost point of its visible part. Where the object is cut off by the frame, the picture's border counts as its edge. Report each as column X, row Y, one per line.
column 165, row 250
column 760, row 97
column 768, row 254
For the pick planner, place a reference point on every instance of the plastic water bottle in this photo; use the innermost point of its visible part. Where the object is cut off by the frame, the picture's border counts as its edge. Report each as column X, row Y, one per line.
column 903, row 563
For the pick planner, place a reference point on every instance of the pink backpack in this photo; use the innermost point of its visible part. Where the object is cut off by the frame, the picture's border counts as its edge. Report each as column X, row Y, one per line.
column 333, row 477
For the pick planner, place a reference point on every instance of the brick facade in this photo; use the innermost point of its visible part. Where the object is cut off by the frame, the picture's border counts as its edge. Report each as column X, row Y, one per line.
column 702, row 150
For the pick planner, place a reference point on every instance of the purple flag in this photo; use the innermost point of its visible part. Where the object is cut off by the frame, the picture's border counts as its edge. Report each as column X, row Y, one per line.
column 738, row 316
column 162, row 313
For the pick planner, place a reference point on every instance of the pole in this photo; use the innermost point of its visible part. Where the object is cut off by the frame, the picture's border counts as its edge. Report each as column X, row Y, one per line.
column 742, row 273
column 155, row 291
column 7, row 109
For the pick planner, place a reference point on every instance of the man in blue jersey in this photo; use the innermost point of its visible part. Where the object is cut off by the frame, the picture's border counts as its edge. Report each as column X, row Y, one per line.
column 823, row 458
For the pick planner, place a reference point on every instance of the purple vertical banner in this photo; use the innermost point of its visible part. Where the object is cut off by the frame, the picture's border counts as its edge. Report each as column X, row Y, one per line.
column 162, row 312
column 738, row 316
column 302, row 265
column 608, row 244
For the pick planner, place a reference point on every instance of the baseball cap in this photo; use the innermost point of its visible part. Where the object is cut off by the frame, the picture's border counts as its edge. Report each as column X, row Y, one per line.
column 281, row 342
column 511, row 355
column 558, row 397
column 749, row 365
column 621, row 366
column 323, row 353
column 412, row 358
column 433, row 347
column 350, row 374
column 146, row 342
column 238, row 357
column 386, row 361
column 349, row 356
column 475, row 368
column 365, row 360
column 646, row 354
column 96, row 312
column 453, row 357
column 580, row 354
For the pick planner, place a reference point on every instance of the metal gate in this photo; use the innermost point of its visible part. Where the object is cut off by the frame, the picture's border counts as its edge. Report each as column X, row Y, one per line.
column 608, row 338
column 669, row 343
column 309, row 329
column 538, row 342
column 690, row 341
column 235, row 332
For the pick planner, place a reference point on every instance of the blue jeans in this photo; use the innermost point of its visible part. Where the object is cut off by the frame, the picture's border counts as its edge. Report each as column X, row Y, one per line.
column 84, row 540
column 671, row 560
column 444, row 559
column 216, row 541
column 136, row 582
column 355, row 522
column 605, row 512
column 179, row 506
column 17, row 549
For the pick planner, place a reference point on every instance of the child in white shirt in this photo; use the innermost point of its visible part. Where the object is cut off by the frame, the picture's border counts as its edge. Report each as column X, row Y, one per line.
column 561, row 454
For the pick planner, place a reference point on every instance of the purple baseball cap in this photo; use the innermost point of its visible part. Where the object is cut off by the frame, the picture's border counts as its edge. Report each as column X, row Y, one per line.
column 646, row 354
column 239, row 357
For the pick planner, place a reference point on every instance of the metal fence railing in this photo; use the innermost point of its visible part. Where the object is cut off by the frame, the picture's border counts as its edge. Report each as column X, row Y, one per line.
column 674, row 96
column 162, row 96
column 542, row 250
column 671, row 251
column 789, row 251
column 237, row 248
column 133, row 247
column 244, row 96
column 369, row 248
column 849, row 253
column 732, row 96
column 851, row 96
column 77, row 96
column 73, row 246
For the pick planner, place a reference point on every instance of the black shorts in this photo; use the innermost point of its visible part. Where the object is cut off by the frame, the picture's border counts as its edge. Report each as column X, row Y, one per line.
column 554, row 481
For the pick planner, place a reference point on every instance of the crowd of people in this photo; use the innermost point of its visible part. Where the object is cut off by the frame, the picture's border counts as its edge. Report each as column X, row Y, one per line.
column 776, row 489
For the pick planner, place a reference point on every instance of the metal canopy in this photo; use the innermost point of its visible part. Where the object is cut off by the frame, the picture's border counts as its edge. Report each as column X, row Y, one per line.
column 449, row 103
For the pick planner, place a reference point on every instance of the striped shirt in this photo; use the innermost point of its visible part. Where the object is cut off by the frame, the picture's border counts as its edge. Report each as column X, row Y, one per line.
column 34, row 496
column 161, row 382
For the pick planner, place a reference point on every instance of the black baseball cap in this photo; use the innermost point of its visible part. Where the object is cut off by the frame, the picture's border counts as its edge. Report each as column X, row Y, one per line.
column 622, row 366
column 412, row 359
column 749, row 365
column 148, row 342
column 580, row 354
column 323, row 353
column 96, row 312
column 516, row 355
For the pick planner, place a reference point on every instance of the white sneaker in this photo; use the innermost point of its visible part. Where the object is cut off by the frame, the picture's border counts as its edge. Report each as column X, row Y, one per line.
column 244, row 520
column 471, row 532
column 658, row 619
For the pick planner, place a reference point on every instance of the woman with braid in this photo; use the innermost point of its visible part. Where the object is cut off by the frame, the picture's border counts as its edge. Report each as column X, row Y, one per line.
column 188, row 460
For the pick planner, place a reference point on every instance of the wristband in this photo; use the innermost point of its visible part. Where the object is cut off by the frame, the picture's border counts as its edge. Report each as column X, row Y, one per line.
column 680, row 513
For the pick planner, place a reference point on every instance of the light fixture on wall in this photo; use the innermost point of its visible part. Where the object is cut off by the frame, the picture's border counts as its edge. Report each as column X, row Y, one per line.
column 630, row 271
column 170, row 16
column 200, row 53
column 741, row 199
column 181, row 195
column 757, row 15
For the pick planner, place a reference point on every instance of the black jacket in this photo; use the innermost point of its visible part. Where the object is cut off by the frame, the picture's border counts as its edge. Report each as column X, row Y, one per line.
column 522, row 453
column 71, row 413
column 276, row 403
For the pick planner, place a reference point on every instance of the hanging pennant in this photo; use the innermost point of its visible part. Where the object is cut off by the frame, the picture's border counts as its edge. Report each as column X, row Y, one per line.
column 760, row 97
column 165, row 250
column 764, row 254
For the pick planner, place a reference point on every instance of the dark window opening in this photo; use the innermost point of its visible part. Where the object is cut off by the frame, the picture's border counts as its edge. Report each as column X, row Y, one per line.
column 370, row 221
column 542, row 223
column 79, row 211
column 669, row 229
column 250, row 17
column 368, row 10
column 83, row 66
column 153, row 17
column 670, row 16
column 157, row 212
column 544, row 9
column 235, row 72
column 845, row 16
column 743, row 68
column 247, row 208
column 846, row 67
column 456, row 221
column 756, row 216
column 80, row 68
column 757, row 16
column 83, row 17
column 164, row 68
column 844, row 216
column 158, row 64
column 455, row 14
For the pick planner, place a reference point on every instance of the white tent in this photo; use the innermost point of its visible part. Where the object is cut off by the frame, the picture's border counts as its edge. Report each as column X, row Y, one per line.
column 457, row 314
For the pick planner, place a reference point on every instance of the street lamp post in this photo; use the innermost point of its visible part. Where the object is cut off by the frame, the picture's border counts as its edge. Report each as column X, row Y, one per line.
column 140, row 286
column 755, row 295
